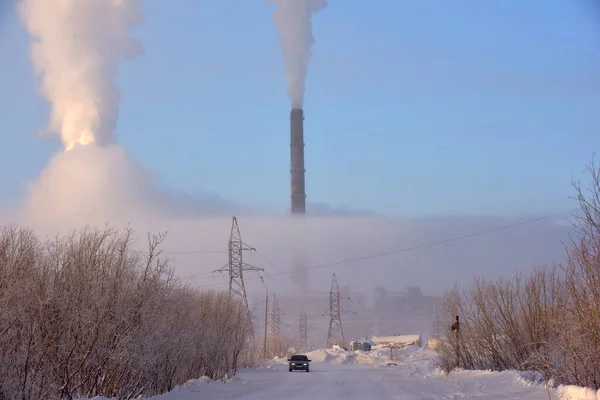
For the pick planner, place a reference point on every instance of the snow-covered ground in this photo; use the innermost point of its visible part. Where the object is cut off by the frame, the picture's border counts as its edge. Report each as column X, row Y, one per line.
column 337, row 374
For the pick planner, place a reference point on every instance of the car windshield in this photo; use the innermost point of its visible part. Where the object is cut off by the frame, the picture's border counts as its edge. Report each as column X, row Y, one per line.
column 299, row 358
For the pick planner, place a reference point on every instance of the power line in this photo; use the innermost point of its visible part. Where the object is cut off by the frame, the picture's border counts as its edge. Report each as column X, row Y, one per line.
column 197, row 276
column 267, row 260
column 421, row 246
column 281, row 284
column 272, row 277
column 210, row 275
column 183, row 252
column 186, row 252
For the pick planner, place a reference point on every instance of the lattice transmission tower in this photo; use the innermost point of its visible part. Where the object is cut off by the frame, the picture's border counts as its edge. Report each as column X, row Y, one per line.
column 235, row 268
column 303, row 331
column 275, row 314
column 336, row 333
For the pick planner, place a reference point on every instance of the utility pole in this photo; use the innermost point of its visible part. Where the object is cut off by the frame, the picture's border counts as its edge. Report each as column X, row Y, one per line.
column 336, row 333
column 266, row 317
column 435, row 327
column 235, row 268
column 303, row 331
column 456, row 327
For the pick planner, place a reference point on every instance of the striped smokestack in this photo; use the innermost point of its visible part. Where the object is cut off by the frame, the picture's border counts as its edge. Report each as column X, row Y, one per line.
column 298, row 193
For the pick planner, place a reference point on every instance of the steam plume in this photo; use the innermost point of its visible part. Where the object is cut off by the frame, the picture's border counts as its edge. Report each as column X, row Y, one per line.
column 293, row 19
column 76, row 48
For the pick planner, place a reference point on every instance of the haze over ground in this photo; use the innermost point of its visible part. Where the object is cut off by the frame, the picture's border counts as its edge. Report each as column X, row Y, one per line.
column 443, row 134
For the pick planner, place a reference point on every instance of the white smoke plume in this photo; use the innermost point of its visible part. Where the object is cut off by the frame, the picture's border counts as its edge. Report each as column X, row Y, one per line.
column 76, row 48
column 95, row 184
column 92, row 183
column 293, row 19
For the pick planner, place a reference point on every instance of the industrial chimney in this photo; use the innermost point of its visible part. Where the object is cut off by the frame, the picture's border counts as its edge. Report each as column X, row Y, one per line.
column 298, row 194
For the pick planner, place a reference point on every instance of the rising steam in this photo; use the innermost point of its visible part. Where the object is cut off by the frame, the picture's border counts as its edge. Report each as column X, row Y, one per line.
column 293, row 19
column 76, row 48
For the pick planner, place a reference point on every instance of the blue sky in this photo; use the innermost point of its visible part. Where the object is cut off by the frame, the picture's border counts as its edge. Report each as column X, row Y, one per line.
column 412, row 107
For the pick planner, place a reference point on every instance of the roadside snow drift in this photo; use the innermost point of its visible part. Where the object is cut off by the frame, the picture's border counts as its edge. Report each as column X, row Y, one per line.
column 339, row 374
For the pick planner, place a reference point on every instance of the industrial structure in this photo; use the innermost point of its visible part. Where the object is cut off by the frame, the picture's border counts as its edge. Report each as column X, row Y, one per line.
column 398, row 340
column 335, row 334
column 275, row 314
column 303, row 331
column 298, row 191
column 360, row 345
column 297, row 171
column 379, row 312
column 235, row 268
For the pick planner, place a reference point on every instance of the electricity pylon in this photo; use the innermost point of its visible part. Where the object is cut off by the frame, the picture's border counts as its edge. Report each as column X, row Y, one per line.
column 236, row 267
column 275, row 318
column 336, row 333
column 303, row 331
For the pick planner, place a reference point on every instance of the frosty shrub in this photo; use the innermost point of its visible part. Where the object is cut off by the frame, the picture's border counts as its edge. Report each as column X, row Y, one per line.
column 279, row 346
column 503, row 324
column 548, row 321
column 85, row 315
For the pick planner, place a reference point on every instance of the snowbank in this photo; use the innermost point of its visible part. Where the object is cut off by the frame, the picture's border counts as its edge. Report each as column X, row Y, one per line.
column 191, row 386
column 416, row 370
column 570, row 392
column 377, row 356
column 100, row 398
column 563, row 392
column 529, row 378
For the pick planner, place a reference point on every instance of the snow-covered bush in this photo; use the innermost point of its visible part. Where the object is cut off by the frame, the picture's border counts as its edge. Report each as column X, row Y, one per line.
column 547, row 321
column 84, row 315
column 503, row 324
column 277, row 346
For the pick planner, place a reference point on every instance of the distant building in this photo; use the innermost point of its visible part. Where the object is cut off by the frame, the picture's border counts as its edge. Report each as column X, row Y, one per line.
column 397, row 340
column 359, row 345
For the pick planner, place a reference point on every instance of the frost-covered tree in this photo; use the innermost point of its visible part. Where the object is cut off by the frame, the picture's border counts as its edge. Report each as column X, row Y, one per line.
column 85, row 315
column 548, row 320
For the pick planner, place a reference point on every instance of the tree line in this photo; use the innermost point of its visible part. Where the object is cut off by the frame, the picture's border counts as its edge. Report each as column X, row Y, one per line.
column 547, row 320
column 83, row 314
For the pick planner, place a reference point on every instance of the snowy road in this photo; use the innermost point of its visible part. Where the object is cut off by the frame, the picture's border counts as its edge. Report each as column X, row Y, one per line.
column 413, row 378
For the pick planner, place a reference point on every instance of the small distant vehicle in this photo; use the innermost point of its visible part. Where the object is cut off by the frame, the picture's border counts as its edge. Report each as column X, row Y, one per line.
column 299, row 362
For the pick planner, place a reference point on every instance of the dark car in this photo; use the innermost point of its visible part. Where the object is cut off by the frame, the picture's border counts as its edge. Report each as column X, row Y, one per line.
column 299, row 361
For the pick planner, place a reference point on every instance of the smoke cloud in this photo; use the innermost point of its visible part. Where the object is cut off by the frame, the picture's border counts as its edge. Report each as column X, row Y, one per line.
column 293, row 19
column 76, row 49
column 93, row 183
column 98, row 184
